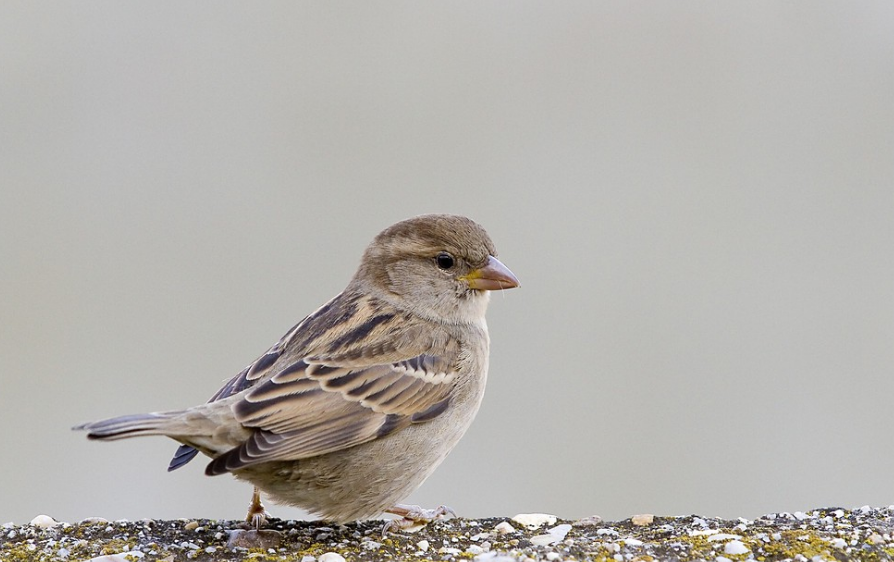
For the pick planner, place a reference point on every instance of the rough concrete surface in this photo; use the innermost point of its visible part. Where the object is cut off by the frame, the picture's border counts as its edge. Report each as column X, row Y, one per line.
column 822, row 534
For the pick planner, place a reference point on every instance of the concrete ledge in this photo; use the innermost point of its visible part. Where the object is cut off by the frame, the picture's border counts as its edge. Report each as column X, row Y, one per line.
column 822, row 534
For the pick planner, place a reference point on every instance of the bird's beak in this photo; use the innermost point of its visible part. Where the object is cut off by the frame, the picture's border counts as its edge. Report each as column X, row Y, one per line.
column 494, row 276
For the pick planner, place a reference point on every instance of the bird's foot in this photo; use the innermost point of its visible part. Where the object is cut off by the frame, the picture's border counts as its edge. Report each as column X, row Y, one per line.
column 257, row 514
column 413, row 517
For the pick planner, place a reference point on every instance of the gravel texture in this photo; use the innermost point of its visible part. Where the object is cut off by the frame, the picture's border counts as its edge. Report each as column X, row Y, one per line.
column 822, row 534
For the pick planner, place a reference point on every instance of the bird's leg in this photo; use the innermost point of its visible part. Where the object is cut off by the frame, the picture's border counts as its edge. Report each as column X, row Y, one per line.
column 413, row 515
column 257, row 515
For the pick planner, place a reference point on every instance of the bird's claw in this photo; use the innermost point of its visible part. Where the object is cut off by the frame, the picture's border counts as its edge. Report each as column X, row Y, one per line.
column 412, row 517
column 257, row 520
column 257, row 514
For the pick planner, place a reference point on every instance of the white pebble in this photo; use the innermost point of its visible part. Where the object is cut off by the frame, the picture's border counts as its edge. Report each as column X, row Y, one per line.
column 495, row 557
column 331, row 557
column 560, row 530
column 474, row 549
column 543, row 540
column 422, row 545
column 553, row 556
column 722, row 559
column 504, row 528
column 722, row 537
column 554, row 535
column 534, row 520
column 735, row 547
column 630, row 541
column 838, row 543
column 120, row 557
column 44, row 522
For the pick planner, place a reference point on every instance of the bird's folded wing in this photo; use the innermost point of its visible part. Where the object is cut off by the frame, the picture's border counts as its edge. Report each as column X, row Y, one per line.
column 245, row 379
column 316, row 406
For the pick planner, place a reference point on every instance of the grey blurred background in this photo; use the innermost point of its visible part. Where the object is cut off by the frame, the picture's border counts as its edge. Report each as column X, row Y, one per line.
column 697, row 196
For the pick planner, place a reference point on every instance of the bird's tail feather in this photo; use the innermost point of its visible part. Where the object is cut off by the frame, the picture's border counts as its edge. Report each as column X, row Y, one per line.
column 135, row 425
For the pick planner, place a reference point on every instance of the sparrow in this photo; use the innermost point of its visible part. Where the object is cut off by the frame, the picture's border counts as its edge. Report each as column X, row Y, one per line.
column 355, row 406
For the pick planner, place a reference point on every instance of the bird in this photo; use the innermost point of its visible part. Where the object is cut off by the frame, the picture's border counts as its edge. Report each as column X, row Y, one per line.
column 357, row 404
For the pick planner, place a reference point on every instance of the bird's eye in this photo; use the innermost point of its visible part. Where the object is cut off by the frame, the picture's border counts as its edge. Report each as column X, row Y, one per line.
column 444, row 260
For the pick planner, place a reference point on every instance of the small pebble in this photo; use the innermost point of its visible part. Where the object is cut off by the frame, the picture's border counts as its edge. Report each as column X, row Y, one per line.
column 44, row 522
column 590, row 520
column 120, row 557
column 331, row 557
column 504, row 528
column 263, row 538
column 371, row 545
column 643, row 519
column 422, row 545
column 722, row 537
column 534, row 520
column 191, row 526
column 735, row 547
column 497, row 557
column 554, row 535
column 838, row 543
